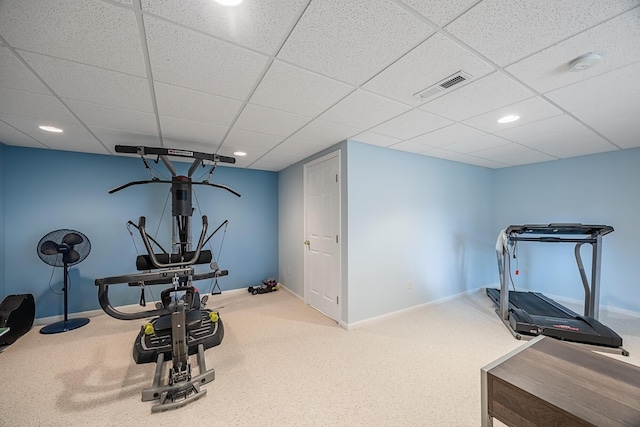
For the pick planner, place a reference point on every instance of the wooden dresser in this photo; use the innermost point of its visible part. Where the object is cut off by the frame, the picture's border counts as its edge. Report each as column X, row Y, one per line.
column 547, row 382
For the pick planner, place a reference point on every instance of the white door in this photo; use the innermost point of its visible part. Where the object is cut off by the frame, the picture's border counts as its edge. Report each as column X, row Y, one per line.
column 322, row 229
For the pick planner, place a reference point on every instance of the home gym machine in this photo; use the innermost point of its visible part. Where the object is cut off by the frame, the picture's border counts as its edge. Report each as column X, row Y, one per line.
column 532, row 313
column 182, row 327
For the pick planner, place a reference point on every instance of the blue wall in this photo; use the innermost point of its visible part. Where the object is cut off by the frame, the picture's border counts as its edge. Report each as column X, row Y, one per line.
column 419, row 229
column 47, row 190
column 595, row 189
column 3, row 150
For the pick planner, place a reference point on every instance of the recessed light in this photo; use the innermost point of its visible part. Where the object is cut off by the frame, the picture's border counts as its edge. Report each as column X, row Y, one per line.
column 508, row 119
column 240, row 153
column 230, row 3
column 51, row 129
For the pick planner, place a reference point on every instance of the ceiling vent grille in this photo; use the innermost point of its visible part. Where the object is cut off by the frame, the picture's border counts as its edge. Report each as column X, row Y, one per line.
column 444, row 84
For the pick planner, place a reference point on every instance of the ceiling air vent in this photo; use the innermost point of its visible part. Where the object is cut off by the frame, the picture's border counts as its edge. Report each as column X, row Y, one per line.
column 445, row 84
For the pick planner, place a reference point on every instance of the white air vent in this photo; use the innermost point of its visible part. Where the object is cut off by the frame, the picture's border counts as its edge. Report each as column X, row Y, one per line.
column 444, row 84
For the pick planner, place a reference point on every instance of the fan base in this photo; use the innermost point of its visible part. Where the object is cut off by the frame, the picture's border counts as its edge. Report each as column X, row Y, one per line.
column 64, row 326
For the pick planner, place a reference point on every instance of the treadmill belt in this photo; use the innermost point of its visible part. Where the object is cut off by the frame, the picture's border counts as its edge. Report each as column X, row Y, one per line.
column 532, row 313
column 532, row 304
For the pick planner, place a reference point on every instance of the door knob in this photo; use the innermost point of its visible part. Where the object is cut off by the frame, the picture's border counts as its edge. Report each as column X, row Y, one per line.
column 308, row 243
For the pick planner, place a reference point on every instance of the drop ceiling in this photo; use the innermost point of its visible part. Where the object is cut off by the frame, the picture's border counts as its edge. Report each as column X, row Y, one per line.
column 284, row 79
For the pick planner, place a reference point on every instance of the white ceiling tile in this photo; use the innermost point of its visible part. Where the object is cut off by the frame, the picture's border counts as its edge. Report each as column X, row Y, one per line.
column 616, row 121
column 448, row 135
column 14, row 75
column 485, row 163
column 246, row 161
column 242, row 163
column 111, row 137
column 410, row 147
column 12, row 136
column 348, row 71
column 251, row 142
column 88, row 31
column 23, row 103
column 325, row 132
column 439, row 11
column 290, row 152
column 549, row 69
column 541, row 130
column 560, row 136
column 411, row 124
column 418, row 70
column 493, row 91
column 295, row 90
column 74, row 138
column 86, row 83
column 269, row 166
column 521, row 158
column 193, row 105
column 115, row 118
column 604, row 88
column 442, row 153
column 609, row 103
column 501, row 150
column 189, row 59
column 268, row 120
column 363, row 110
column 189, row 130
column 530, row 110
column 254, row 144
column 376, row 139
column 283, row 156
column 376, row 32
column 295, row 148
column 476, row 144
column 254, row 24
column 506, row 31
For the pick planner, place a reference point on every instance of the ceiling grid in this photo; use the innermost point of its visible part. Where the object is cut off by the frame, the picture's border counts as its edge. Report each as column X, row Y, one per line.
column 284, row 79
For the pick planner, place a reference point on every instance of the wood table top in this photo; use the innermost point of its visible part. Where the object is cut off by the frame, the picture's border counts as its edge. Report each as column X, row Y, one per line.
column 594, row 388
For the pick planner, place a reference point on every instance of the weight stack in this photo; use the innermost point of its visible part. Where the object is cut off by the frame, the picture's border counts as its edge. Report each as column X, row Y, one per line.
column 17, row 312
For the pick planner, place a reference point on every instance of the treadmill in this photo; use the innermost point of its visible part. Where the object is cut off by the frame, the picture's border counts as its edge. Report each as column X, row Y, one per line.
column 532, row 313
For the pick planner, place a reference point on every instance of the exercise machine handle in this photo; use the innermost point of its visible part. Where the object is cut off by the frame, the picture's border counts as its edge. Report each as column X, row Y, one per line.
column 103, row 291
column 152, row 255
column 155, row 151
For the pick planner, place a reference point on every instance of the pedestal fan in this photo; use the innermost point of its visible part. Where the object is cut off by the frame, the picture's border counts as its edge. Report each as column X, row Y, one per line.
column 63, row 248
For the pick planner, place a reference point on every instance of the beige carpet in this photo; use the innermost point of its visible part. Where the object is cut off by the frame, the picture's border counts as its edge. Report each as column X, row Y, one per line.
column 281, row 364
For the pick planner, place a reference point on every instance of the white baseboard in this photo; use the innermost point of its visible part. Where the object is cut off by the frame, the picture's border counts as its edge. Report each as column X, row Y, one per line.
column 290, row 291
column 607, row 308
column 341, row 323
column 355, row 325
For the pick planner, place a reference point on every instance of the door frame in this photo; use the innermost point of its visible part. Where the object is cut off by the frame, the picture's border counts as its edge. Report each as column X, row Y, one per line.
column 307, row 283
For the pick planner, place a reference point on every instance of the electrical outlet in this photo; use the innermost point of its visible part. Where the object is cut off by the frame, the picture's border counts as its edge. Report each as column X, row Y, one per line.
column 410, row 284
column 288, row 271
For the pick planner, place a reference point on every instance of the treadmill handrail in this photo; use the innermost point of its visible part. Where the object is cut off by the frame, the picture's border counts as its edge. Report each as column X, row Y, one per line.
column 556, row 233
column 583, row 275
column 550, row 239
column 560, row 229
